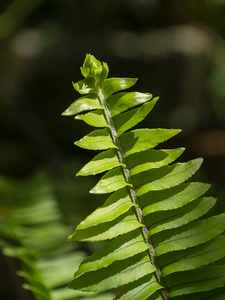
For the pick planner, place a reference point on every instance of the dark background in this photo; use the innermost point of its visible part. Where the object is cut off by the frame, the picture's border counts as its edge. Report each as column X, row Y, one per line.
column 176, row 48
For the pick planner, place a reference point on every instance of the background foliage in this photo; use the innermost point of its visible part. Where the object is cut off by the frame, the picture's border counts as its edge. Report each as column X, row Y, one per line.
column 176, row 48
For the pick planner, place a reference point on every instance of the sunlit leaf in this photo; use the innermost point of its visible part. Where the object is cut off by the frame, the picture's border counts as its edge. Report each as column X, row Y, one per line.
column 161, row 245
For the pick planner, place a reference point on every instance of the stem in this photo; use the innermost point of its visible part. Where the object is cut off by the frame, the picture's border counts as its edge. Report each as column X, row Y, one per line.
column 132, row 190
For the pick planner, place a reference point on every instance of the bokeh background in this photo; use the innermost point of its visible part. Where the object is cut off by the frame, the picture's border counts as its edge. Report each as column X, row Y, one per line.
column 177, row 50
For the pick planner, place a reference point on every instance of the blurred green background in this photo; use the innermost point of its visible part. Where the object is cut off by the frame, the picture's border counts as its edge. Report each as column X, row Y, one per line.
column 177, row 50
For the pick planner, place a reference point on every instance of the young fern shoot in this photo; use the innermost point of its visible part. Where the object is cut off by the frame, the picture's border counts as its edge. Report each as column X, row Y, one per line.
column 158, row 247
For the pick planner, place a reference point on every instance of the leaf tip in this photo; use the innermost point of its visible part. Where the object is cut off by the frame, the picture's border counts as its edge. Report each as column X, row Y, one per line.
column 64, row 113
column 155, row 99
column 70, row 238
column 200, row 160
column 93, row 191
column 67, row 112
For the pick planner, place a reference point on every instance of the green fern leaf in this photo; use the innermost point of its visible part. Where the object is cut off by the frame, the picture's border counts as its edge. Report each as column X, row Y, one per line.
column 83, row 104
column 31, row 230
column 104, row 161
column 160, row 246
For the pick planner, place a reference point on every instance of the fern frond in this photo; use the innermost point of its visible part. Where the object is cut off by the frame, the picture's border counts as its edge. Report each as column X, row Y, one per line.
column 159, row 245
column 31, row 230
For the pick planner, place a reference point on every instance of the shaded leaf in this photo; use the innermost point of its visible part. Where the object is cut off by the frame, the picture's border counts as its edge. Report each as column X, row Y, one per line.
column 199, row 280
column 204, row 255
column 118, row 274
column 141, row 289
column 193, row 234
